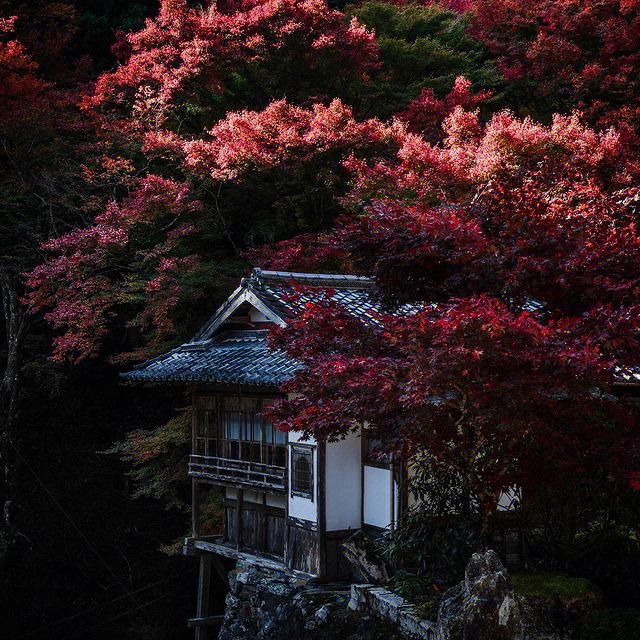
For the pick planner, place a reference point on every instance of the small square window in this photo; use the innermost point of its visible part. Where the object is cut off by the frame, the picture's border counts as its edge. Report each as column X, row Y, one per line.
column 302, row 471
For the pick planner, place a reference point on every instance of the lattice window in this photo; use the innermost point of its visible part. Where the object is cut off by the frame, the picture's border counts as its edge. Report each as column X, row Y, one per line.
column 302, row 471
column 237, row 430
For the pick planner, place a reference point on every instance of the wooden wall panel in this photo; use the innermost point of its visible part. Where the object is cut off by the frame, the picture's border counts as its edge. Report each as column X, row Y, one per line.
column 253, row 529
column 275, row 535
column 303, row 550
column 262, row 527
column 231, row 524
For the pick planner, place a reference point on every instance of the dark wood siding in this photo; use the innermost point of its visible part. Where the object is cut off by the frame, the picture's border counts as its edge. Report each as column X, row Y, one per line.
column 302, row 547
column 262, row 527
column 231, row 523
column 275, row 534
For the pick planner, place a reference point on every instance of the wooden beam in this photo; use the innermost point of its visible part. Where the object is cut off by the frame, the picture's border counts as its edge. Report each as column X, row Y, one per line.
column 362, row 460
column 322, row 514
column 194, row 623
column 204, row 586
column 285, row 550
column 195, row 507
column 239, row 501
column 220, row 570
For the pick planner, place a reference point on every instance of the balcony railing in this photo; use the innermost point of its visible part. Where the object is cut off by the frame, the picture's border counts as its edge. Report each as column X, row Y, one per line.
column 238, row 473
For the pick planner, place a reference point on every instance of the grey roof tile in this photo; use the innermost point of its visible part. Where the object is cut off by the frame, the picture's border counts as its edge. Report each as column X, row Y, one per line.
column 232, row 357
column 243, row 357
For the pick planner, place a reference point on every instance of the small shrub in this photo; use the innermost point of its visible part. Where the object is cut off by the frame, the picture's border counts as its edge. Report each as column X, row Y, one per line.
column 438, row 535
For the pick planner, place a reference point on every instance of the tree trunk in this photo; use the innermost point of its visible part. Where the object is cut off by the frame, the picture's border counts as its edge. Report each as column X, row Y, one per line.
column 15, row 317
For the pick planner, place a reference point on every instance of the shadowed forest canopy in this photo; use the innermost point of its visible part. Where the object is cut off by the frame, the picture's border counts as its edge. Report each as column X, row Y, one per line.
column 478, row 159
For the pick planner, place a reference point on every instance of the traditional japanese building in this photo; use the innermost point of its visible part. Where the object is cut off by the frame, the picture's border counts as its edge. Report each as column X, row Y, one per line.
column 287, row 498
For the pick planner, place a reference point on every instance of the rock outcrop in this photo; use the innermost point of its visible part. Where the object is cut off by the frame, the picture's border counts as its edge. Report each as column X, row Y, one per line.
column 482, row 606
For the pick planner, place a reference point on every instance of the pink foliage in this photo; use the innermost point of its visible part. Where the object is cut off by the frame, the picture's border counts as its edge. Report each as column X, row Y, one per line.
column 426, row 113
column 279, row 134
column 469, row 231
column 184, row 44
column 76, row 284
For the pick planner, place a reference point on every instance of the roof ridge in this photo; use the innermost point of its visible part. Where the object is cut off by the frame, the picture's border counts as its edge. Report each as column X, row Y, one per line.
column 259, row 277
column 237, row 332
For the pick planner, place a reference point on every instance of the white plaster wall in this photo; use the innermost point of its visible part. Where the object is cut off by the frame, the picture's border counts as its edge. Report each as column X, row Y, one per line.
column 298, row 436
column 377, row 496
column 304, row 508
column 247, row 496
column 256, row 497
column 342, row 483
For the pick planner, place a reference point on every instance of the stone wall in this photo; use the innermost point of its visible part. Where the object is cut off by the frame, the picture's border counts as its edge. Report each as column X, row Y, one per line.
column 268, row 604
column 388, row 605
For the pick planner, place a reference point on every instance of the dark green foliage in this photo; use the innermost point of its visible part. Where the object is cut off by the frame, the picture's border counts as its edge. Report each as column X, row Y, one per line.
column 435, row 539
column 611, row 624
column 159, row 458
column 98, row 20
column 588, row 530
column 420, row 47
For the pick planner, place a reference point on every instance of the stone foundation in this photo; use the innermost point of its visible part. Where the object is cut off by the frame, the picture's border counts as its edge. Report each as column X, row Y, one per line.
column 266, row 603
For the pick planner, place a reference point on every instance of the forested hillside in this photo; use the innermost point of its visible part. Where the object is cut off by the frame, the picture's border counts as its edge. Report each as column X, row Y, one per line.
column 478, row 159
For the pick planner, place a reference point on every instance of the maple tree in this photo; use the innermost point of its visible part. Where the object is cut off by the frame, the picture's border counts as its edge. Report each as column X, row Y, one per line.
column 182, row 210
column 368, row 140
column 44, row 141
column 442, row 204
column 520, row 268
column 42, row 191
column 561, row 55
column 198, row 103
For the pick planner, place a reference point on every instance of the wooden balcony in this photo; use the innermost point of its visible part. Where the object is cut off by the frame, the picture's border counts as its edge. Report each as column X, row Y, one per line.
column 239, row 473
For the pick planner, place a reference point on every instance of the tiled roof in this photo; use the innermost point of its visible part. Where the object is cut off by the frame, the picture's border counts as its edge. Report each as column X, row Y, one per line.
column 277, row 289
column 629, row 375
column 231, row 357
column 243, row 357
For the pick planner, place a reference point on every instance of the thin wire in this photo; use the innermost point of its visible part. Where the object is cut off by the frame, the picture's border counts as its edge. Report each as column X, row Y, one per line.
column 74, row 525
column 98, row 606
column 120, row 615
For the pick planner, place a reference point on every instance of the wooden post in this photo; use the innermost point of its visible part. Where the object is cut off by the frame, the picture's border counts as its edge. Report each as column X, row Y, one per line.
column 195, row 487
column 404, row 493
column 239, row 500
column 392, row 521
column 287, row 475
column 362, row 461
column 265, row 524
column 322, row 515
column 204, row 585
column 195, row 507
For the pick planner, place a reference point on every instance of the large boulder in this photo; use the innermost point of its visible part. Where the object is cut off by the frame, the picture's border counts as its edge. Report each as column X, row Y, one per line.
column 482, row 606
